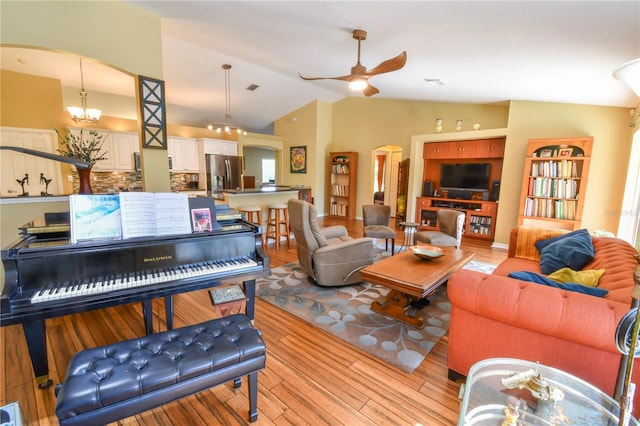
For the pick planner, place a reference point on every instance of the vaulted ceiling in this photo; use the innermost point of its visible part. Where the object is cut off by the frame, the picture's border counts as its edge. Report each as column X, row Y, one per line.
column 483, row 52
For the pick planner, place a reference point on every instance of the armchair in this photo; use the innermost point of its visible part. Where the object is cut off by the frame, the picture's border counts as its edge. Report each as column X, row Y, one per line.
column 328, row 255
column 376, row 218
column 449, row 233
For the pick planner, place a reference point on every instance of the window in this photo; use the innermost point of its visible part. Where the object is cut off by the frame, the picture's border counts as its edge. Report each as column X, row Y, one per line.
column 268, row 170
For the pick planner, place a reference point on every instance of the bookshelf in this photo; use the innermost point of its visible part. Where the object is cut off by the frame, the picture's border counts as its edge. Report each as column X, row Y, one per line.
column 555, row 180
column 343, row 171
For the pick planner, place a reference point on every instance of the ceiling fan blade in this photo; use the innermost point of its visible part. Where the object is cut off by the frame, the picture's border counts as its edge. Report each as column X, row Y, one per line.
column 343, row 78
column 389, row 65
column 370, row 90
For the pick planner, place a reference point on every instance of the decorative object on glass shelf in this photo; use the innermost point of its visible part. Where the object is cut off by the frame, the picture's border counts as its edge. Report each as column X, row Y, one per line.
column 85, row 148
column 476, row 126
column 458, row 125
column 298, row 159
column 438, row 125
column 227, row 126
column 81, row 114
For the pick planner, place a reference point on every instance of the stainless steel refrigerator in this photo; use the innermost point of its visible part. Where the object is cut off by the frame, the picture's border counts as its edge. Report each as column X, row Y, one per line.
column 223, row 172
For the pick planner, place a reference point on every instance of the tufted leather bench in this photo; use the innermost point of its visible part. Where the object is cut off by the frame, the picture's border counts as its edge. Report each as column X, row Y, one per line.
column 112, row 382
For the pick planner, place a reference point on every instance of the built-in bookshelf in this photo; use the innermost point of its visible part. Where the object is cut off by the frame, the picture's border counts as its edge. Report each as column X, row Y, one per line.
column 343, row 170
column 555, row 180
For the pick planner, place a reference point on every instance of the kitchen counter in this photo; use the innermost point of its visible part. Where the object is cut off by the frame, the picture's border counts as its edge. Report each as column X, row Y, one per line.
column 265, row 189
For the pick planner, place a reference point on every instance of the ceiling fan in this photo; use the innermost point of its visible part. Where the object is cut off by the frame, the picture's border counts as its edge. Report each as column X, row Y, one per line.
column 359, row 77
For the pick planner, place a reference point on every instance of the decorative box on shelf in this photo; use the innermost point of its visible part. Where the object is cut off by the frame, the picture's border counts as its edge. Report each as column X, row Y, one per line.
column 228, row 300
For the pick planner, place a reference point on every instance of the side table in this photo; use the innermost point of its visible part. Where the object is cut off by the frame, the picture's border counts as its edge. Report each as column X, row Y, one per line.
column 506, row 391
column 409, row 228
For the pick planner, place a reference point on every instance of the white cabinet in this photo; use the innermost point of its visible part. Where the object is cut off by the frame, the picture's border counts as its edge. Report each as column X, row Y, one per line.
column 119, row 148
column 184, row 154
column 219, row 146
column 122, row 146
column 16, row 165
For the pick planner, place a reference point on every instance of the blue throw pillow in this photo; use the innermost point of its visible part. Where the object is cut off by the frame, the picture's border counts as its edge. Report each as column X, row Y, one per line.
column 572, row 250
column 540, row 279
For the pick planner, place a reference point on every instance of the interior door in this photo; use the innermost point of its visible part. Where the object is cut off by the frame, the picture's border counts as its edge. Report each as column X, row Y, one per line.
column 395, row 156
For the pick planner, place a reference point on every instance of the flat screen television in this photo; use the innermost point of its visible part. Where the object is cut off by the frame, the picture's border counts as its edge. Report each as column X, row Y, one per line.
column 467, row 176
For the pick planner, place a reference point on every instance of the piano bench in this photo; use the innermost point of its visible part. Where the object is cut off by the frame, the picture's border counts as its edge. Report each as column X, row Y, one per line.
column 109, row 383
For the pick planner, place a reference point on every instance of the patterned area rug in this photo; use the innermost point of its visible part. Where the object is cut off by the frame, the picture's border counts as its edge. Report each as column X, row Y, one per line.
column 345, row 312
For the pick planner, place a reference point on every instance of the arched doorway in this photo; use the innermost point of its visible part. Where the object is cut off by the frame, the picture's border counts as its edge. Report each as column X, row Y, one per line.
column 384, row 170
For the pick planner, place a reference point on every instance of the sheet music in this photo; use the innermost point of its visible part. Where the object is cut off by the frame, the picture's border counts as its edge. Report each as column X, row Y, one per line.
column 172, row 213
column 148, row 214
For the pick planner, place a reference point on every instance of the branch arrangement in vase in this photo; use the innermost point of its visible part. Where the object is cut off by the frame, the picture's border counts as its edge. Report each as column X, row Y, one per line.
column 83, row 147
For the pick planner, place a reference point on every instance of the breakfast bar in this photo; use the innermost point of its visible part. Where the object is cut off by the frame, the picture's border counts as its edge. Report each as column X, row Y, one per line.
column 265, row 196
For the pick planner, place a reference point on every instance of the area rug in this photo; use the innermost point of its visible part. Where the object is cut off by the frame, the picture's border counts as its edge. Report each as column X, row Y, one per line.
column 345, row 313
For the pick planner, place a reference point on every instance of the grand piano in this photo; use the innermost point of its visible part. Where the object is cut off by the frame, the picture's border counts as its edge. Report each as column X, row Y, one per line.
column 47, row 277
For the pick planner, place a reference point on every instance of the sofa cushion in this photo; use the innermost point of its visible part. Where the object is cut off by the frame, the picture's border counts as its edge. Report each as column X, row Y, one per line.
column 527, row 237
column 541, row 279
column 573, row 250
column 588, row 277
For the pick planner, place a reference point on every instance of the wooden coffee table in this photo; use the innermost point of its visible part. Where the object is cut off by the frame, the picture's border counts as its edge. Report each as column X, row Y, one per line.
column 411, row 278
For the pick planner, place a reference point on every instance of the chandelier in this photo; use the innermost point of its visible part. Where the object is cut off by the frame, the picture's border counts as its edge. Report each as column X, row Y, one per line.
column 82, row 114
column 227, row 126
column 629, row 73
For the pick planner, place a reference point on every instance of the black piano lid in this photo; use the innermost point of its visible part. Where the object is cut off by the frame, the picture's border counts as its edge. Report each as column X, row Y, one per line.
column 42, row 241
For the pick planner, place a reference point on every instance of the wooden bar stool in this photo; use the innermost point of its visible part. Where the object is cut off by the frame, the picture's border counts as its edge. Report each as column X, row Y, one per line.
column 253, row 214
column 278, row 217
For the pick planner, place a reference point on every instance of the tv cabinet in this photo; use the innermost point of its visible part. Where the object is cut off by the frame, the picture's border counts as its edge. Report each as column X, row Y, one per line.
column 480, row 216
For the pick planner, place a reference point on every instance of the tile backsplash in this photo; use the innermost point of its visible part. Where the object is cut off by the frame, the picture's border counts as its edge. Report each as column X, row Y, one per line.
column 103, row 182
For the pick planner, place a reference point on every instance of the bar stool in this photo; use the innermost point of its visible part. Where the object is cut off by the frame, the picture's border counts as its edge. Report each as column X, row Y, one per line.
column 254, row 215
column 277, row 218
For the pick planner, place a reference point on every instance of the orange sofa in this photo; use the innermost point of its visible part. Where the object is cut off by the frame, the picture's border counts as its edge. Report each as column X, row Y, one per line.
column 497, row 316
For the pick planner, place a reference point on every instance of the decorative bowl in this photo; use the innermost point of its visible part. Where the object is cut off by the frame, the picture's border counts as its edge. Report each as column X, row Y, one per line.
column 427, row 252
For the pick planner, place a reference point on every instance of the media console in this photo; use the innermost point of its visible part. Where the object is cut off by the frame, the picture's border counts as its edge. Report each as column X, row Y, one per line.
column 480, row 216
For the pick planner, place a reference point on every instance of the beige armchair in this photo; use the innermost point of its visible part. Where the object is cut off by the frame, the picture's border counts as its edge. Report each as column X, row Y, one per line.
column 329, row 255
column 450, row 228
column 376, row 218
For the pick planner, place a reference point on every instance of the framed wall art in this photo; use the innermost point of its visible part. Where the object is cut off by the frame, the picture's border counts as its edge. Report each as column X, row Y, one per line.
column 565, row 152
column 298, row 159
column 152, row 112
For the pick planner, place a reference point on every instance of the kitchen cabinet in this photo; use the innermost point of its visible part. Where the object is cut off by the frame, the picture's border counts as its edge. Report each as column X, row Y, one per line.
column 15, row 165
column 119, row 148
column 219, row 146
column 184, row 154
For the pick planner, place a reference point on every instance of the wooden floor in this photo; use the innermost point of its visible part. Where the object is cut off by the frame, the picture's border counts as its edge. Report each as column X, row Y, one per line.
column 311, row 378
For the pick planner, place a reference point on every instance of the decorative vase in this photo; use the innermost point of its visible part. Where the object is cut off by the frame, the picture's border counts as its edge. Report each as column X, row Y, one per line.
column 84, row 175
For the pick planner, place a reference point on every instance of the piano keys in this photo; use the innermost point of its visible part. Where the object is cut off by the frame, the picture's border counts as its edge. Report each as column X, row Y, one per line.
column 49, row 277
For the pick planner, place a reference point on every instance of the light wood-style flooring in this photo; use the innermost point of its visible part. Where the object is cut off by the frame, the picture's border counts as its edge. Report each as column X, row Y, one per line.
column 311, row 378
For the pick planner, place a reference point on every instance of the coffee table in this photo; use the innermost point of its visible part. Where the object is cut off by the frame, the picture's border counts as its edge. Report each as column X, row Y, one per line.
column 411, row 278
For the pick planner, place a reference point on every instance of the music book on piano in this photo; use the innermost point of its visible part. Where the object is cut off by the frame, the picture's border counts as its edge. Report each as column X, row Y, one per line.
column 160, row 213
column 94, row 217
